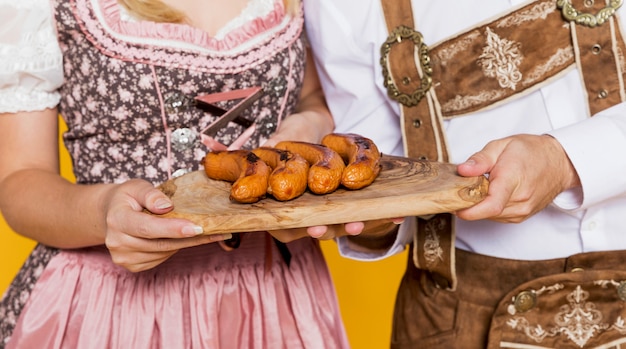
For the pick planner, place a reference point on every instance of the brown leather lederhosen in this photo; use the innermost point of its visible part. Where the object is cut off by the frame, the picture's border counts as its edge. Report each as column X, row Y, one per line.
column 465, row 74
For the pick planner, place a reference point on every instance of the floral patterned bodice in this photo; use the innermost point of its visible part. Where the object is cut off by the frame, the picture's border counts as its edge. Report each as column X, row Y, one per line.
column 130, row 85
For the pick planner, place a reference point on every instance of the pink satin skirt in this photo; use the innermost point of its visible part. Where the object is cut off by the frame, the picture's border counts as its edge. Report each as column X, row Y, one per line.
column 202, row 297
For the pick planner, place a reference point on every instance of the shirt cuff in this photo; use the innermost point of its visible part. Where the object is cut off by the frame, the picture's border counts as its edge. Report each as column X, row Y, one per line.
column 17, row 99
column 403, row 238
column 595, row 148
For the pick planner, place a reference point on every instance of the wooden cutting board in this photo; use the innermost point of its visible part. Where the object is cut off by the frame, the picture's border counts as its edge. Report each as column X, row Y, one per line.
column 405, row 187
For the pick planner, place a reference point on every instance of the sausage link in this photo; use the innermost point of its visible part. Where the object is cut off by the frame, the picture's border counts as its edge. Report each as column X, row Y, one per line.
column 361, row 156
column 244, row 169
column 288, row 178
column 325, row 168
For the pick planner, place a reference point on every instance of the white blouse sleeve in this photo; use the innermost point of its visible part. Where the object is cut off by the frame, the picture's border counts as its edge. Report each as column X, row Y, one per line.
column 31, row 67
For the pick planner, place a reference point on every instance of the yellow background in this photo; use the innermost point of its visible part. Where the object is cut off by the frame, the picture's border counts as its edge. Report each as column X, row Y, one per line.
column 366, row 290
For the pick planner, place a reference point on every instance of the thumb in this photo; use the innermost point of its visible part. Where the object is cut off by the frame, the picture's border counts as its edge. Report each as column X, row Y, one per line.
column 483, row 161
column 157, row 202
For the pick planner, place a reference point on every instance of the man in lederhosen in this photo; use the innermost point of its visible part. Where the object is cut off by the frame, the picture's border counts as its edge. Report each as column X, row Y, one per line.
column 530, row 94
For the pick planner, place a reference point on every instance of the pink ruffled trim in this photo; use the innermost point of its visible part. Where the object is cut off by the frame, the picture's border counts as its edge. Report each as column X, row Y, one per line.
column 109, row 39
column 182, row 32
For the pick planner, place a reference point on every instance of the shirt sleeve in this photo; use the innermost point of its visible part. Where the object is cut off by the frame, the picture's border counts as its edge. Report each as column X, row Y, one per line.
column 31, row 67
column 405, row 235
column 596, row 149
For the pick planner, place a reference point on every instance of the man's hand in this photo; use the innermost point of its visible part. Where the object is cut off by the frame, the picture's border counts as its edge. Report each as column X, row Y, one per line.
column 526, row 172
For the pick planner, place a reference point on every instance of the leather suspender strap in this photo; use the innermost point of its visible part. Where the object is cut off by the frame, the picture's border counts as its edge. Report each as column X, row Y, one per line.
column 398, row 13
column 433, row 243
column 407, row 75
column 495, row 62
column 599, row 52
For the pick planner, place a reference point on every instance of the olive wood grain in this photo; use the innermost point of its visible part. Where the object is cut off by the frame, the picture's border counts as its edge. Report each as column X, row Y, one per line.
column 405, row 187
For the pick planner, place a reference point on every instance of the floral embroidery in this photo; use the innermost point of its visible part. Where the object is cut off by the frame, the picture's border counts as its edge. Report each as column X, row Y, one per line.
column 433, row 253
column 579, row 321
column 446, row 55
column 467, row 102
column 541, row 10
column 562, row 57
column 500, row 59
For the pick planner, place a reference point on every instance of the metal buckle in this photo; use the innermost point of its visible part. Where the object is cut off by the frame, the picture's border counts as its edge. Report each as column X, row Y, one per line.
column 397, row 35
column 588, row 19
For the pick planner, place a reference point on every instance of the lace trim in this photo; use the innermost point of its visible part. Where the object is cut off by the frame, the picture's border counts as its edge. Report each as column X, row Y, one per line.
column 24, row 4
column 36, row 52
column 183, row 46
column 260, row 16
column 19, row 99
column 255, row 9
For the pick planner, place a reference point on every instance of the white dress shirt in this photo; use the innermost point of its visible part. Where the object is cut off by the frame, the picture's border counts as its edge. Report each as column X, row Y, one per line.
column 346, row 36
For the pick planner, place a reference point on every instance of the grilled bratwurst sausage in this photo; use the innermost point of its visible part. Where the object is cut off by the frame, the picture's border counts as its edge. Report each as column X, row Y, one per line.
column 326, row 166
column 361, row 156
column 244, row 169
column 288, row 178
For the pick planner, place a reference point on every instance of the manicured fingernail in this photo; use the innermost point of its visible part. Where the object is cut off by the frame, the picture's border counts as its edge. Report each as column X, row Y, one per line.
column 470, row 162
column 163, row 204
column 221, row 237
column 398, row 221
column 192, row 230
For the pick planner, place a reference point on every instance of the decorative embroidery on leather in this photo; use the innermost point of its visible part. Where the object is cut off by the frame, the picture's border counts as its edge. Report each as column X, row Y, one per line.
column 619, row 325
column 620, row 58
column 465, row 102
column 562, row 57
column 616, row 344
column 579, row 320
column 541, row 10
column 500, row 59
column 433, row 253
column 446, row 55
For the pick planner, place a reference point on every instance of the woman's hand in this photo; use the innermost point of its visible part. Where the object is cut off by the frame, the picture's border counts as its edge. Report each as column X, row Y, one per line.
column 139, row 241
column 306, row 126
column 69, row 216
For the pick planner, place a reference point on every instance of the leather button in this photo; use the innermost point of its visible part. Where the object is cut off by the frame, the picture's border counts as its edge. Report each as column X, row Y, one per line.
column 183, row 138
column 602, row 94
column 417, row 123
column 525, row 301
